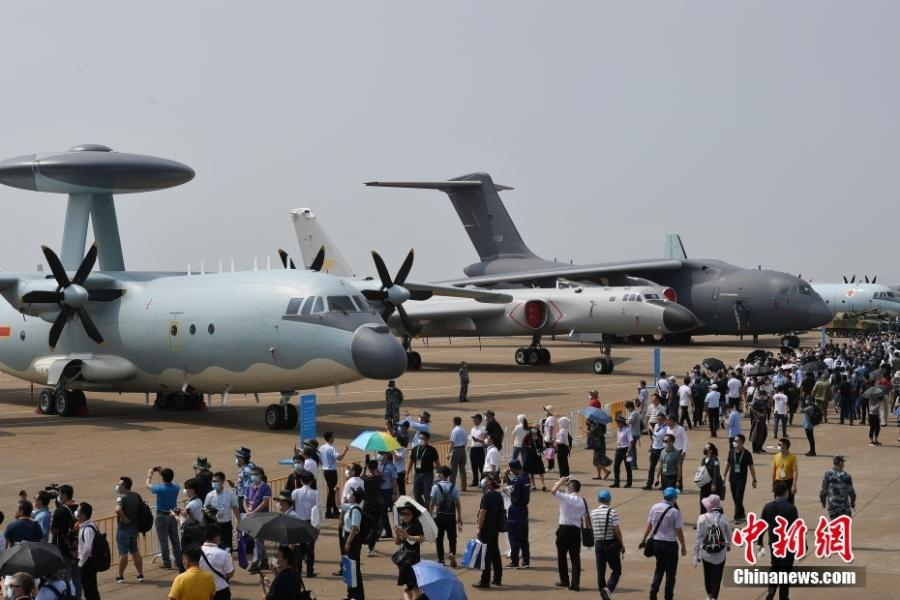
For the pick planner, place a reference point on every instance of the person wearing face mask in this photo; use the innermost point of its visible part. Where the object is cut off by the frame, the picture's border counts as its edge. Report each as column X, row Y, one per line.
column 330, row 459
column 87, row 531
column 740, row 460
column 244, row 472
column 226, row 504
column 128, row 506
column 488, row 532
column 563, row 445
column 353, row 485
column 20, row 587
column 389, row 492
column 293, row 480
column 203, row 475
column 306, row 508
column 372, row 480
column 423, row 459
column 784, row 468
column 257, row 501
column 713, row 466
column 192, row 517
column 166, row 522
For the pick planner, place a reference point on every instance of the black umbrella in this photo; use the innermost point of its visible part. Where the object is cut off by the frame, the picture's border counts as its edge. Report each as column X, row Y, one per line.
column 35, row 558
column 876, row 391
column 713, row 364
column 277, row 527
column 815, row 366
column 759, row 370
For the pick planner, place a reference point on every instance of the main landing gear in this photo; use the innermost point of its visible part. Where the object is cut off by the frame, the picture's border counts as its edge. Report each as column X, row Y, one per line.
column 413, row 358
column 283, row 415
column 62, row 402
column 790, row 341
column 534, row 354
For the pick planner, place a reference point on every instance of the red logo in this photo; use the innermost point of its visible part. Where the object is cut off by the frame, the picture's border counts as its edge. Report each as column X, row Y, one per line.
column 831, row 537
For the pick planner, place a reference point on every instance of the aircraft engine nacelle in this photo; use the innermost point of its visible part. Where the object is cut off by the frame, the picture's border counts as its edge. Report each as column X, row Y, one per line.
column 670, row 294
column 534, row 314
column 16, row 294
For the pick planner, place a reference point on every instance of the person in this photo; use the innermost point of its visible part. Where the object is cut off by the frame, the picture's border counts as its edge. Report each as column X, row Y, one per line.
column 305, row 501
column 733, row 424
column 457, row 458
column 712, row 402
column 780, row 402
column 22, row 528
column 447, row 511
column 493, row 428
column 572, row 514
column 666, row 525
column 257, row 501
column 808, row 424
column 351, row 540
column 518, row 436
column 837, row 495
column 821, row 394
column 287, row 583
column 739, row 462
column 389, row 492
column 734, row 385
column 476, row 448
column 330, row 459
column 216, row 560
column 87, row 531
column 563, row 445
column 41, row 514
column 352, row 482
column 371, row 506
column 57, row 585
column 487, row 530
column 596, row 442
column 63, row 534
column 166, row 523
column 845, row 399
column 128, row 506
column 293, row 480
column 712, row 542
column 409, row 535
column 194, row 583
column 662, row 390
column 21, row 586
column 422, row 461
column 700, row 386
column 244, row 473
column 623, row 446
column 517, row 515
column 784, row 468
column 401, row 456
column 657, row 436
column 192, row 517
column 759, row 431
column 491, row 457
column 203, row 474
column 685, row 397
column 634, row 422
column 532, row 456
column 463, row 382
column 609, row 547
column 548, row 432
column 713, row 466
column 874, row 414
column 781, row 506
column 668, row 470
column 393, row 398
column 681, row 444
column 226, row 509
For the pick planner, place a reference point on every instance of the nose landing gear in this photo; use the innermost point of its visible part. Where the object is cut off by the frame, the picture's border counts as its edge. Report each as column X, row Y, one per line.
column 413, row 358
column 283, row 415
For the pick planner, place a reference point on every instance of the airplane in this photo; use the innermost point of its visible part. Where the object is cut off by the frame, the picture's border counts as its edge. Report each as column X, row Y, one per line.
column 176, row 335
column 581, row 313
column 727, row 299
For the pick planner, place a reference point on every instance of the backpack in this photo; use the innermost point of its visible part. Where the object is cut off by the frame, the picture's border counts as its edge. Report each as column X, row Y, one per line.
column 714, row 539
column 66, row 594
column 366, row 522
column 815, row 415
column 101, row 556
column 145, row 518
column 446, row 506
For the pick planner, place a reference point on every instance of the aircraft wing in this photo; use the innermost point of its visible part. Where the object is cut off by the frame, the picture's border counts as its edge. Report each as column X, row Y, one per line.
column 575, row 273
column 436, row 310
column 486, row 296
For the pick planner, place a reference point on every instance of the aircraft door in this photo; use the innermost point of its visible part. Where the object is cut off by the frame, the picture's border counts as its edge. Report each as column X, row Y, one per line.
column 742, row 314
column 175, row 336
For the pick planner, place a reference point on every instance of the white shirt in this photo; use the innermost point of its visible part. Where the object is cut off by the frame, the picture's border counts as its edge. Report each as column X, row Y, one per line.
column 518, row 435
column 329, row 455
column 311, row 466
column 492, row 459
column 86, row 533
column 713, row 398
column 572, row 508
column 224, row 502
column 476, row 436
column 548, row 428
column 401, row 455
column 662, row 386
column 458, row 436
column 562, row 437
column 351, row 484
column 305, row 500
column 681, row 439
column 659, row 434
column 220, row 561
column 734, row 388
column 194, row 510
column 684, row 396
column 781, row 401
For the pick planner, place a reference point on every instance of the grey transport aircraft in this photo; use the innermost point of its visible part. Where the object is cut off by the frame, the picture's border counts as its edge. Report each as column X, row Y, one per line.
column 727, row 299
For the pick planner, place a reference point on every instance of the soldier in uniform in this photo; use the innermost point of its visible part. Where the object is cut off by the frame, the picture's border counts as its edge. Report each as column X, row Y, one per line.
column 821, row 394
column 837, row 494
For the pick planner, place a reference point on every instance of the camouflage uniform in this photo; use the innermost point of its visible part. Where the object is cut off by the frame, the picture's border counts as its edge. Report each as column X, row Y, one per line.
column 821, row 394
column 837, row 493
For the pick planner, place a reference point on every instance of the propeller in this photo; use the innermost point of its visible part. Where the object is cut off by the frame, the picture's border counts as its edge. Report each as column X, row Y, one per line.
column 315, row 265
column 392, row 292
column 71, row 296
column 873, row 279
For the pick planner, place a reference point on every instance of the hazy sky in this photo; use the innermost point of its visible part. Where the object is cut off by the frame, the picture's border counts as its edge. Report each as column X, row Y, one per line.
column 763, row 132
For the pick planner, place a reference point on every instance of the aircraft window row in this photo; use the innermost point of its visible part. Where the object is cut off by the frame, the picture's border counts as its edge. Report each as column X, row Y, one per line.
column 885, row 295
column 317, row 304
column 632, row 298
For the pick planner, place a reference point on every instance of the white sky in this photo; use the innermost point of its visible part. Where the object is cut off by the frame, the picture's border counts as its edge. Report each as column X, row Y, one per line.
column 764, row 132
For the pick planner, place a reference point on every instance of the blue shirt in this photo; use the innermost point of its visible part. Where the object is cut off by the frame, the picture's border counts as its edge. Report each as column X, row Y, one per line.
column 734, row 423
column 328, row 454
column 520, row 494
column 458, row 437
column 417, row 427
column 166, row 495
column 243, row 479
column 41, row 516
column 389, row 473
column 256, row 496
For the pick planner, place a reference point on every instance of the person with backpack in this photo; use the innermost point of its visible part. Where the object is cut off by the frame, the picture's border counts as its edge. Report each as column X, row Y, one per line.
column 447, row 511
column 128, row 515
column 712, row 542
column 57, row 586
column 93, row 551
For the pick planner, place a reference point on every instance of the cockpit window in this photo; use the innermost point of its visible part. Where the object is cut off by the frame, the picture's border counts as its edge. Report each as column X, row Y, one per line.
column 612, row 298
column 319, row 306
column 805, row 289
column 293, row 306
column 651, row 296
column 362, row 303
column 341, row 303
column 638, row 298
column 307, row 306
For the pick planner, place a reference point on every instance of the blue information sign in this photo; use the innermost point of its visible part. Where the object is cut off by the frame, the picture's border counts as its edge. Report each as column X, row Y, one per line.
column 657, row 359
column 307, row 417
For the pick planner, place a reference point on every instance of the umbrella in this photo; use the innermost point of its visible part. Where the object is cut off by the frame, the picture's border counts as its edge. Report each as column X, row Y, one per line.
column 814, row 366
column 876, row 391
column 35, row 558
column 713, row 364
column 758, row 370
column 437, row 581
column 278, row 527
column 429, row 527
column 375, row 441
column 756, row 356
column 596, row 414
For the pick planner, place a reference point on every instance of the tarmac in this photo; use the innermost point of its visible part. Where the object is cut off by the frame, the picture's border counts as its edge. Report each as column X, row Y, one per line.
column 122, row 436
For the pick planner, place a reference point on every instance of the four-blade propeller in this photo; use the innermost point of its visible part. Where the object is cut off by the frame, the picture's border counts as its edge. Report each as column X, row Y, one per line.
column 71, row 296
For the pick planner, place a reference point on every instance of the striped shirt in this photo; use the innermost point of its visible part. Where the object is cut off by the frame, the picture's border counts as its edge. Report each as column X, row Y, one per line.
column 598, row 522
column 652, row 413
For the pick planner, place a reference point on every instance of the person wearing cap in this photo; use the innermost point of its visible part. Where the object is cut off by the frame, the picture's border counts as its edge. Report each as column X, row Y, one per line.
column 463, row 382
column 422, row 425
column 785, row 469
column 712, row 402
column 244, row 471
column 666, row 519
column 712, row 542
column 594, row 399
column 284, row 503
column 305, row 502
column 740, row 460
column 548, row 432
column 447, row 511
column 493, row 429
column 517, row 515
column 457, row 455
column 837, row 494
column 657, row 444
column 608, row 544
column 487, row 530
column 573, row 513
column 779, row 507
column 623, row 446
column 563, row 445
column 409, row 534
column 423, row 459
column 225, row 503
column 393, row 398
column 476, row 448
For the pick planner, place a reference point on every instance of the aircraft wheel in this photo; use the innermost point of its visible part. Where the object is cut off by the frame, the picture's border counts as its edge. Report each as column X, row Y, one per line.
column 290, row 420
column 79, row 400
column 163, row 401
column 274, row 417
column 545, row 356
column 599, row 367
column 413, row 361
column 785, row 340
column 65, row 405
column 794, row 341
column 180, row 402
column 520, row 356
column 610, row 365
column 418, row 359
column 46, row 402
column 533, row 357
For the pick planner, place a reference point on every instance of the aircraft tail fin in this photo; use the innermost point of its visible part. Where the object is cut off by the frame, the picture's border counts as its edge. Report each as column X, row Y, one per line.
column 477, row 202
column 312, row 237
column 673, row 247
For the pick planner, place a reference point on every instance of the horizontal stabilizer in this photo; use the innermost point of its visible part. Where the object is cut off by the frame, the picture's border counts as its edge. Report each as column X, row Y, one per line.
column 444, row 186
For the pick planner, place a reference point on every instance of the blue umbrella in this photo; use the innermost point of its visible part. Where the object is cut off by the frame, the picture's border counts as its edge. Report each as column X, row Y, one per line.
column 596, row 414
column 438, row 582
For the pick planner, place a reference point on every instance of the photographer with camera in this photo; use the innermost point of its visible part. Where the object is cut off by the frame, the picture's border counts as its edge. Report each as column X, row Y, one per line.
column 225, row 503
column 166, row 523
column 193, row 532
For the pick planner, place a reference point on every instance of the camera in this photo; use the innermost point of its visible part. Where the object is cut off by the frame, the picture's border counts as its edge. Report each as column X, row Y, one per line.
column 157, row 469
column 53, row 490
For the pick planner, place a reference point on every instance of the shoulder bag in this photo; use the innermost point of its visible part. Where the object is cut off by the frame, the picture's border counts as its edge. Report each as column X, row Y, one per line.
column 649, row 550
column 587, row 531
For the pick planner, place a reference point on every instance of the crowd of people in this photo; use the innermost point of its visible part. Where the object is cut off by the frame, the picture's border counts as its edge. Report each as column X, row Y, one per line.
column 195, row 521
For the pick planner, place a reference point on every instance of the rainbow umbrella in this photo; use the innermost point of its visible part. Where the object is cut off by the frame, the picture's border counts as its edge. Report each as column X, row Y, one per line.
column 375, row 441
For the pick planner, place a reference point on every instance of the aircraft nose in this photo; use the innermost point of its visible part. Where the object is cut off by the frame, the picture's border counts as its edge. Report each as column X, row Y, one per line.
column 819, row 314
column 677, row 318
column 376, row 353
